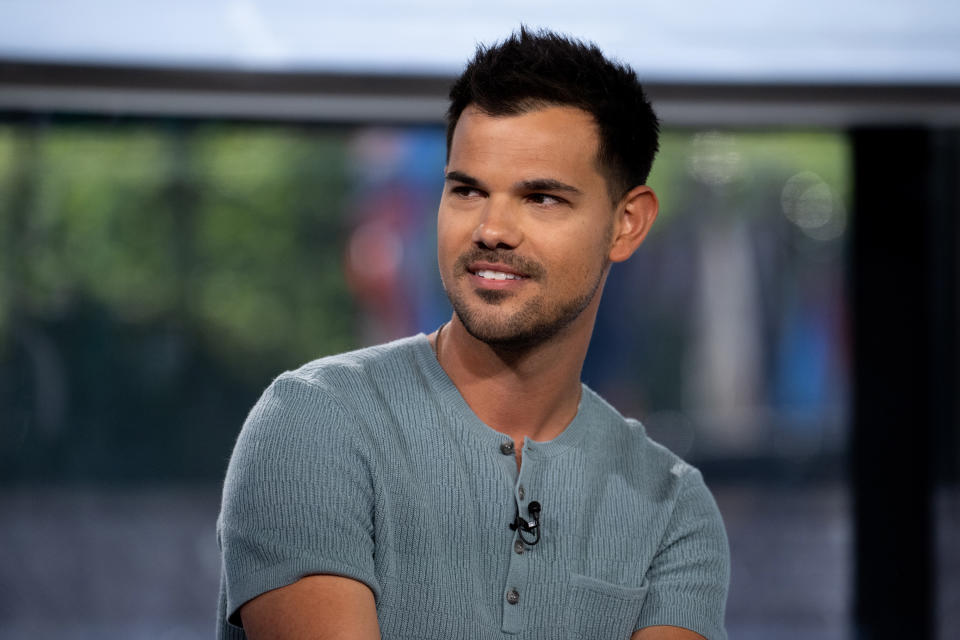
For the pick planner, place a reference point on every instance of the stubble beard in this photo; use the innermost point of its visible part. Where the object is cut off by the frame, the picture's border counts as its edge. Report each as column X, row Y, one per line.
column 534, row 323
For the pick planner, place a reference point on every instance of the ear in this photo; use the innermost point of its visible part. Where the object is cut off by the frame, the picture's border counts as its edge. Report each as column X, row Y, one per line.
column 635, row 215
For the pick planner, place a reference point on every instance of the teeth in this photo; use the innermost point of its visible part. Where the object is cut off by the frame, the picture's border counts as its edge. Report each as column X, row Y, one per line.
column 497, row 275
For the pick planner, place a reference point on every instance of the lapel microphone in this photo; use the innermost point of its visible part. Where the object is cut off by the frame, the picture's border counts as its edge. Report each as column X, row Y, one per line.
column 528, row 526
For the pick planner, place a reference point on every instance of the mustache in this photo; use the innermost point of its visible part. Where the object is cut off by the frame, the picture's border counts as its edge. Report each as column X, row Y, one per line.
column 524, row 266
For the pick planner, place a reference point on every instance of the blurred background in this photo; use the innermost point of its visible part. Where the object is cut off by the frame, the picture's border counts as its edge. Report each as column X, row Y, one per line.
column 195, row 197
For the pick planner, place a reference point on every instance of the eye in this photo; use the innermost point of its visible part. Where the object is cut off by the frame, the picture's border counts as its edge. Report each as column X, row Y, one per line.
column 465, row 191
column 545, row 199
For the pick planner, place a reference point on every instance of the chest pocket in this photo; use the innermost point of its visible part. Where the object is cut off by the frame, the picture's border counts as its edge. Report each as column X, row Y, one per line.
column 597, row 609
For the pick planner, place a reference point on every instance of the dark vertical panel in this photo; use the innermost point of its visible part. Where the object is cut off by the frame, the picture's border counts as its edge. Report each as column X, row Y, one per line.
column 894, row 365
column 944, row 265
column 945, row 276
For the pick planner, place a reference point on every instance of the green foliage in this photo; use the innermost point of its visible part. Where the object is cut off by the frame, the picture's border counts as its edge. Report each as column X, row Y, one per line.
column 153, row 277
column 234, row 231
column 748, row 164
column 268, row 237
column 99, row 224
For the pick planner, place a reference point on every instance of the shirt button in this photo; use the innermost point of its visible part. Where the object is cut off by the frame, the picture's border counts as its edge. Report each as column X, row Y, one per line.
column 513, row 596
column 521, row 492
column 517, row 547
column 507, row 448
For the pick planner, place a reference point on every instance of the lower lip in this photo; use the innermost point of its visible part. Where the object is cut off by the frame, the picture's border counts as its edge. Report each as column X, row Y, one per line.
column 490, row 283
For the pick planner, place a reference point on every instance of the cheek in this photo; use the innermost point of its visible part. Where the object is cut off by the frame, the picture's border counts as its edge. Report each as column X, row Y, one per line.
column 454, row 229
column 444, row 241
column 446, row 221
column 449, row 245
column 581, row 250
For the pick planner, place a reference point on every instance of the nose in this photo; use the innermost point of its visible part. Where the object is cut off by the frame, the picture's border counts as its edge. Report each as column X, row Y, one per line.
column 498, row 227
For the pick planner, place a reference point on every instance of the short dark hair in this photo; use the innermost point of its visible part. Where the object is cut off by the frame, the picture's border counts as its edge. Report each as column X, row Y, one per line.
column 532, row 70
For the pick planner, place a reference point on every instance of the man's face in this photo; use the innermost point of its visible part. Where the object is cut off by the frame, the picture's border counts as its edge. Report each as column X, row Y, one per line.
column 525, row 224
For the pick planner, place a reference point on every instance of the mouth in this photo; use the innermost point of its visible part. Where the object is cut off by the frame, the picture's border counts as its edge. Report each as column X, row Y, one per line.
column 495, row 274
column 491, row 275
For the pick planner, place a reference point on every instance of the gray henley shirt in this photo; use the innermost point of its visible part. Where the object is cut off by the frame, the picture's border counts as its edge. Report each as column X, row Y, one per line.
column 371, row 465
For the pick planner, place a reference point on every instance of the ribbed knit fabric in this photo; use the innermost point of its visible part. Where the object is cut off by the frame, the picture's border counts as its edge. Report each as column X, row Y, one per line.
column 371, row 465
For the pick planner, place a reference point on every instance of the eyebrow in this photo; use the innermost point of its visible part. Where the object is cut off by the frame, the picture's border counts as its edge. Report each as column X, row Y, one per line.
column 537, row 184
column 547, row 184
column 459, row 176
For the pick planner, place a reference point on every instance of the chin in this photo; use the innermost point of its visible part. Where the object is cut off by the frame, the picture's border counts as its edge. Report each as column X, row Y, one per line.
column 522, row 329
column 507, row 339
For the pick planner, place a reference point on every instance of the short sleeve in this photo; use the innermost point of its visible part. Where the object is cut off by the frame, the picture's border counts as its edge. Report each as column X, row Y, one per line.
column 690, row 574
column 298, row 497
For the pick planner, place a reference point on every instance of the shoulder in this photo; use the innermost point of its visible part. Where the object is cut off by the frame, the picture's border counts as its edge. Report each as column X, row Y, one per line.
column 626, row 439
column 356, row 376
column 625, row 447
column 346, row 369
column 324, row 397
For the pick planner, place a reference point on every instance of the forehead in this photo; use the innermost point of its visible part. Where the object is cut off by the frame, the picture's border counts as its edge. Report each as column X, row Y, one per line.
column 554, row 141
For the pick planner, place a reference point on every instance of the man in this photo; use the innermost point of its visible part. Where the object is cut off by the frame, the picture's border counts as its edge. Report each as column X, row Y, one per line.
column 466, row 484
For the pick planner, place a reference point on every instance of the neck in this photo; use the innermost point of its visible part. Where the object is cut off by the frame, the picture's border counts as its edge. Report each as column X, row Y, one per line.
column 533, row 392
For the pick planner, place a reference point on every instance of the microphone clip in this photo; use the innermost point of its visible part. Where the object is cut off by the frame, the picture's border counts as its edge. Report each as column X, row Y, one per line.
column 532, row 526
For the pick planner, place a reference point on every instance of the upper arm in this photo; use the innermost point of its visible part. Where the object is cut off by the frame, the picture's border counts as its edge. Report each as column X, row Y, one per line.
column 298, row 499
column 665, row 633
column 690, row 573
column 319, row 607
